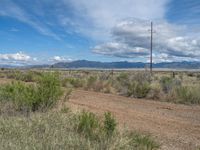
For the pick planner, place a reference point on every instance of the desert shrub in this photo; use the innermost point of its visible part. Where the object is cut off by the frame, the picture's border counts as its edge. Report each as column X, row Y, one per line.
column 94, row 83
column 27, row 76
column 48, row 91
column 143, row 142
column 155, row 93
column 122, row 83
column 88, row 124
column 32, row 97
column 108, row 87
column 167, row 84
column 123, row 79
column 109, row 124
column 136, row 85
column 98, row 86
column 198, row 76
column 22, row 96
column 138, row 90
column 2, row 75
column 188, row 95
column 91, row 81
column 142, row 77
column 190, row 74
column 72, row 82
column 14, row 74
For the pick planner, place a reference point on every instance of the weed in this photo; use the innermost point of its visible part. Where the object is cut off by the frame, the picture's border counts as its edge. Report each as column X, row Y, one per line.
column 109, row 124
column 143, row 142
column 65, row 110
column 88, row 124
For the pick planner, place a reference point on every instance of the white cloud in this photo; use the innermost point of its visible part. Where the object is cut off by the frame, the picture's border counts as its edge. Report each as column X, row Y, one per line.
column 22, row 59
column 15, row 57
column 163, row 57
column 106, row 13
column 55, row 59
column 120, row 50
column 101, row 16
column 169, row 42
column 18, row 58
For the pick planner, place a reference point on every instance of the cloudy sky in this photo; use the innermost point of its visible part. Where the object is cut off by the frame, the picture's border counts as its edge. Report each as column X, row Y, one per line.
column 49, row 31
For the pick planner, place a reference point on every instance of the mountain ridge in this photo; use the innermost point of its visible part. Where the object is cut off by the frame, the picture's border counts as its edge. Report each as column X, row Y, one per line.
column 112, row 65
column 125, row 64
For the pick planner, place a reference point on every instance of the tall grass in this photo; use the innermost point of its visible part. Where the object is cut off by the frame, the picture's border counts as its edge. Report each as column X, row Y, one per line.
column 58, row 131
column 188, row 95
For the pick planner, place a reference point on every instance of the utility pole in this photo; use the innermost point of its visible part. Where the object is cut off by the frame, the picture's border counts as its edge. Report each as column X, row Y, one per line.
column 151, row 59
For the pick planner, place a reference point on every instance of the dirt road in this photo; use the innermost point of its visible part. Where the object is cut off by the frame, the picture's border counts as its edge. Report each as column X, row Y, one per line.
column 174, row 126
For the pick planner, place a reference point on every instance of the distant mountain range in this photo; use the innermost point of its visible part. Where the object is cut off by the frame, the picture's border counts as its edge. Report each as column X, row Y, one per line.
column 126, row 65
column 114, row 65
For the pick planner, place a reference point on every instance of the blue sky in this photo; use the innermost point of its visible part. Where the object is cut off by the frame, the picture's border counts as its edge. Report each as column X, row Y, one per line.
column 49, row 31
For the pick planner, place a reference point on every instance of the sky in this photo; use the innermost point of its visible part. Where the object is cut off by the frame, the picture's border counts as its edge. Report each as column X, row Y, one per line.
column 50, row 31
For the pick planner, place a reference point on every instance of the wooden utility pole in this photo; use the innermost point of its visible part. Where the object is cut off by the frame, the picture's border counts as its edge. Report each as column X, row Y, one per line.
column 151, row 59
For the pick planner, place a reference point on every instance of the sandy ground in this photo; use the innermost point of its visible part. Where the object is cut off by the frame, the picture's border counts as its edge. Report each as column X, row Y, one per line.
column 174, row 126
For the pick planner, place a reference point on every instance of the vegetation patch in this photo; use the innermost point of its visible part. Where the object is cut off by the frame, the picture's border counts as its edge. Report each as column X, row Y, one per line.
column 32, row 97
column 58, row 131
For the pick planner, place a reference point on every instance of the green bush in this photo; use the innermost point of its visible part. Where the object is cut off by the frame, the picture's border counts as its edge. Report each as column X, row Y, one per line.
column 123, row 79
column 134, row 85
column 143, row 142
column 49, row 90
column 109, row 124
column 26, row 76
column 138, row 90
column 32, row 97
column 22, row 96
column 72, row 82
column 88, row 124
column 168, row 84
column 188, row 95
column 91, row 82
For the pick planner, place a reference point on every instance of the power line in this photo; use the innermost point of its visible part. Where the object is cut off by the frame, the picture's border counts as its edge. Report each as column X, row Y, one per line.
column 151, row 49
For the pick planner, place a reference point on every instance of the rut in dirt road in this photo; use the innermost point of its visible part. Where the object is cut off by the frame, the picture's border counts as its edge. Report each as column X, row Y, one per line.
column 174, row 126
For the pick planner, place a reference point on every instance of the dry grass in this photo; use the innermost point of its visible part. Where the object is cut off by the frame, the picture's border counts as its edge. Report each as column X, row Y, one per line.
column 60, row 131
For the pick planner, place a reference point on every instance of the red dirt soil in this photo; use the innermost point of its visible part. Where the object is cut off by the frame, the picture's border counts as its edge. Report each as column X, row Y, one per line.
column 175, row 126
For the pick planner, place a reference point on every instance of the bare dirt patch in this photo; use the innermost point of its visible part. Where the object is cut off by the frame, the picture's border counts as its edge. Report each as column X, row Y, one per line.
column 174, row 126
